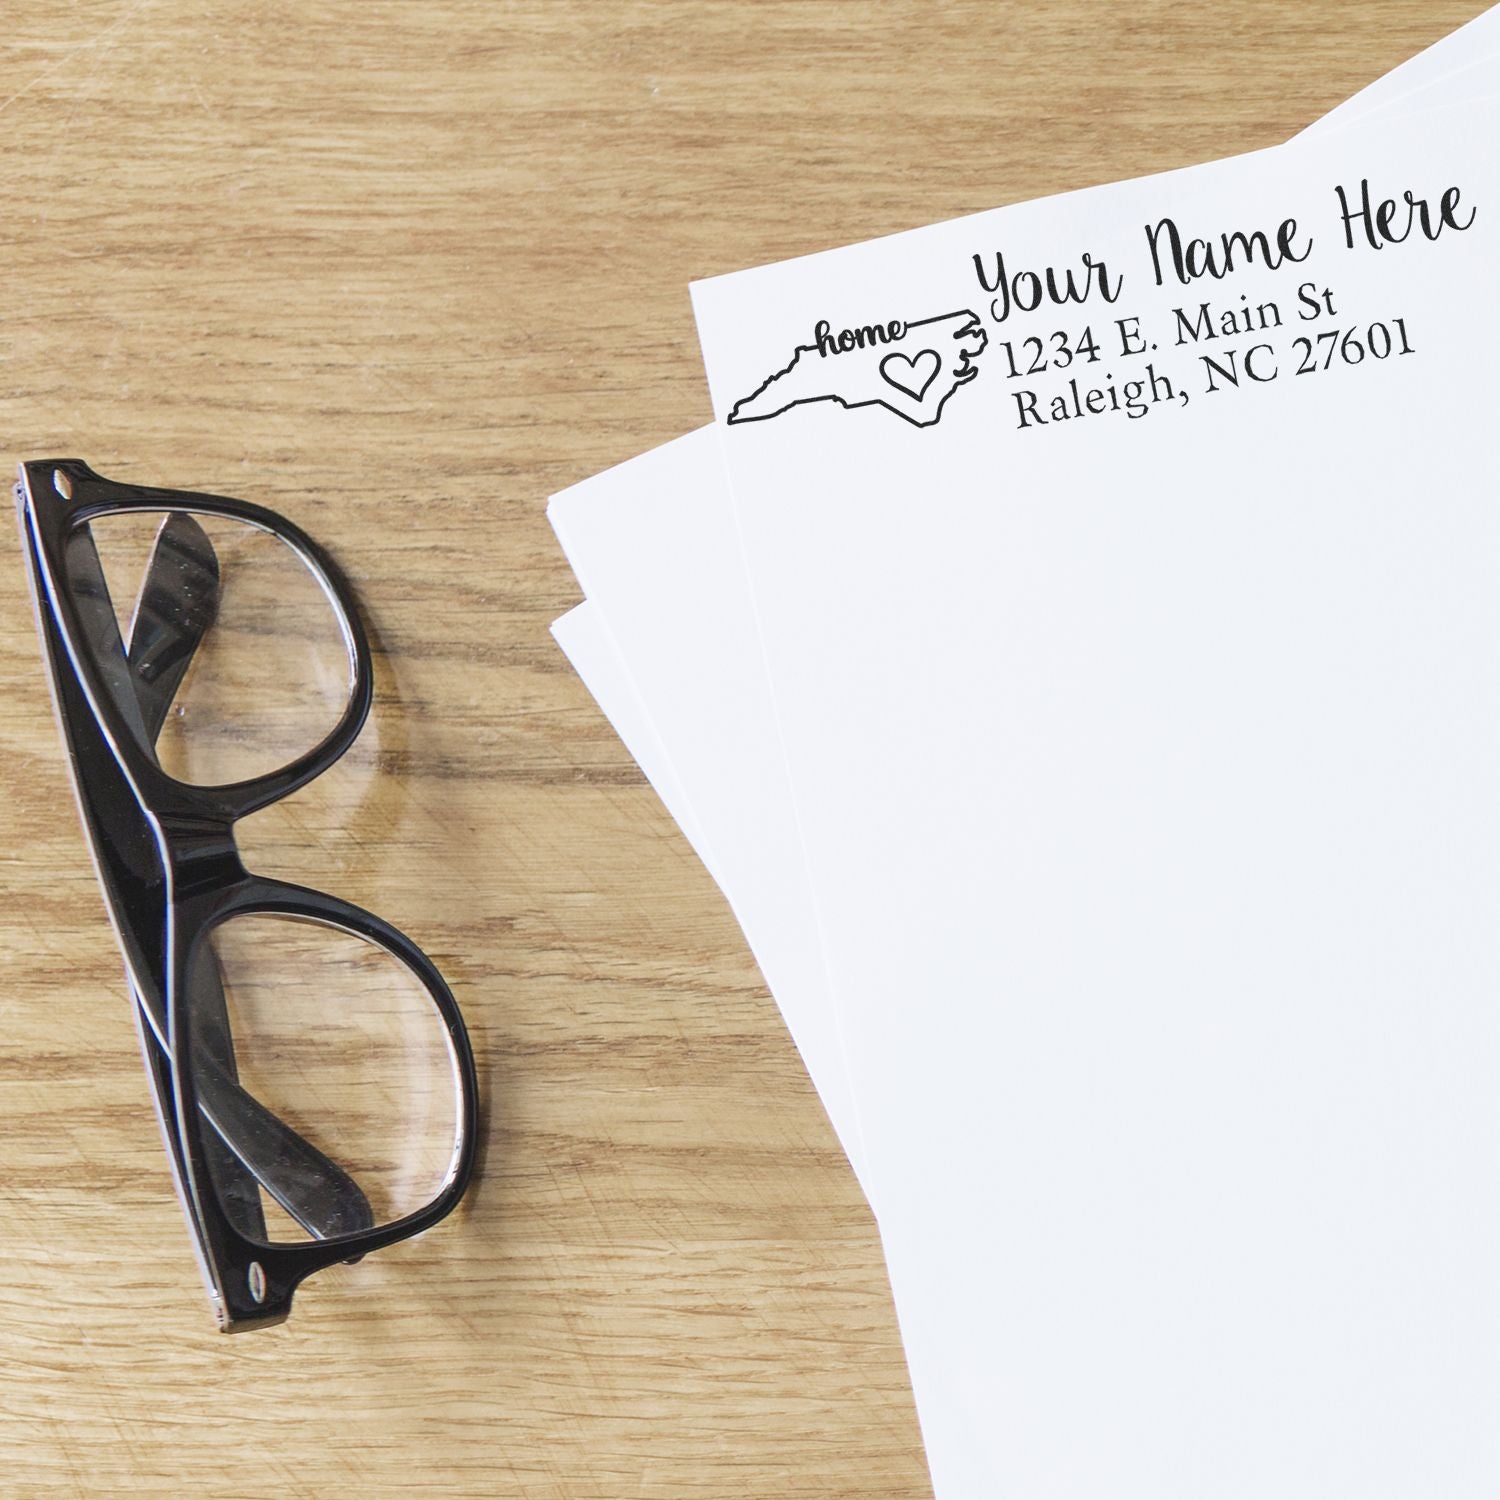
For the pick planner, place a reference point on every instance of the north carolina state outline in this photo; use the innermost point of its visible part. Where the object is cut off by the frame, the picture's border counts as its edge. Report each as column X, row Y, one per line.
column 911, row 369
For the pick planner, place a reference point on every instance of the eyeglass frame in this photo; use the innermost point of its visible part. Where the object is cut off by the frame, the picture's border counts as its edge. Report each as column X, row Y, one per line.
column 204, row 881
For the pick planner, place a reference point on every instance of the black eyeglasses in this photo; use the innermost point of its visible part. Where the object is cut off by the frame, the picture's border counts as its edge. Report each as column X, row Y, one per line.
column 313, row 1079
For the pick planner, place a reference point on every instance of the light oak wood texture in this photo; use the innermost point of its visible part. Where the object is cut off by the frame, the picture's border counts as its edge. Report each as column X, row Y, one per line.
column 401, row 271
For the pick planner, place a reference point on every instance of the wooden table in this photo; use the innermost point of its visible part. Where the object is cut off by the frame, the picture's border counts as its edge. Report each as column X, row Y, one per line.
column 402, row 271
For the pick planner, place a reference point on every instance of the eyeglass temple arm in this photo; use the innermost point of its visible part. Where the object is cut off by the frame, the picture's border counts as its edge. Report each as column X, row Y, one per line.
column 252, row 1148
column 178, row 603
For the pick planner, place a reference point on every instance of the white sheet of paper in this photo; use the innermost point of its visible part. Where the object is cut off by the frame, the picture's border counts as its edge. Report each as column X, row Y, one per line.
column 707, row 772
column 1176, row 807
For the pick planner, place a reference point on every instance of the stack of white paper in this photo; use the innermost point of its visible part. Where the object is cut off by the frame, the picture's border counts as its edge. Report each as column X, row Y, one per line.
column 1075, row 651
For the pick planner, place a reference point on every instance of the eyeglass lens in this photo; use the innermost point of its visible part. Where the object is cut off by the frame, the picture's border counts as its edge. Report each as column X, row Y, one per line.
column 338, row 1040
column 253, row 647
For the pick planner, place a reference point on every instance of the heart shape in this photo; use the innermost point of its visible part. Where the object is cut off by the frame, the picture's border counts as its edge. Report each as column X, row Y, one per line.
column 911, row 375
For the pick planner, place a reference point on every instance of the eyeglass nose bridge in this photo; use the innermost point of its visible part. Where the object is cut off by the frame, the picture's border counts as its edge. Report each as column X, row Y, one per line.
column 202, row 855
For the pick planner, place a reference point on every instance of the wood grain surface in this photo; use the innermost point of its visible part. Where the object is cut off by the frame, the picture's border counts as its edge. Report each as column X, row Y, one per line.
column 401, row 271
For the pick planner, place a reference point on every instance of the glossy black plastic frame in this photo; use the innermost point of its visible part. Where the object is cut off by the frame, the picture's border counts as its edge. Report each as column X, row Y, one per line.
column 166, row 857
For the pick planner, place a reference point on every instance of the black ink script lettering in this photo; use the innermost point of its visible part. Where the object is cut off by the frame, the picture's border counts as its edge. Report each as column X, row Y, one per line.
column 1024, row 291
column 1390, row 221
column 865, row 337
column 1232, row 251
